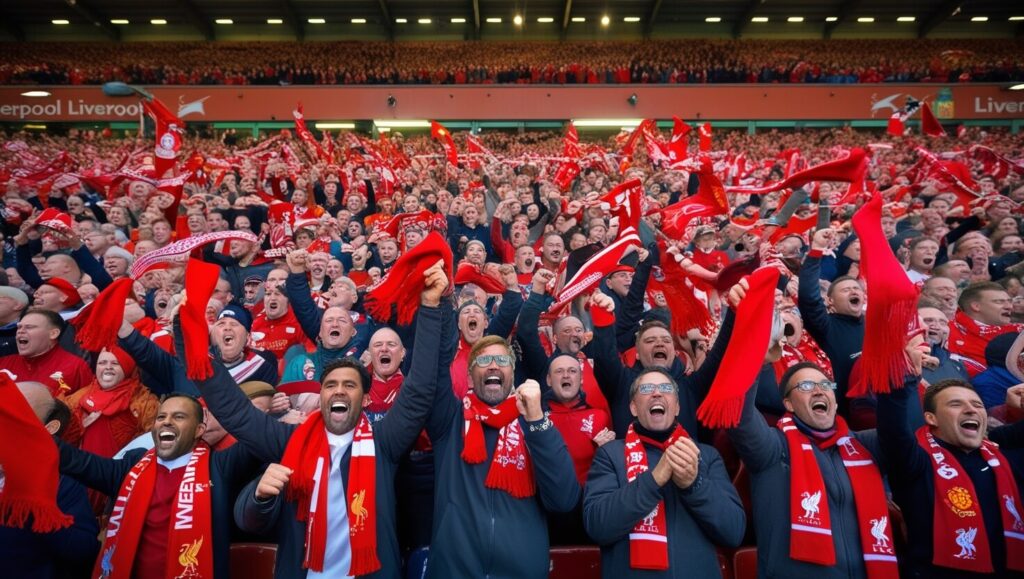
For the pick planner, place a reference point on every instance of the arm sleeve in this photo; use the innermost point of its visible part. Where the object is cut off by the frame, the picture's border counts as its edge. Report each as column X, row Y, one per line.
column 76, row 544
column 446, row 407
column 700, row 381
column 258, row 517
column 306, row 310
column 102, row 474
column 553, row 467
column 611, row 511
column 406, row 418
column 508, row 311
column 812, row 307
column 714, row 503
column 903, row 456
column 161, row 366
column 608, row 368
column 754, row 440
column 527, row 333
column 26, row 269
column 627, row 320
column 91, row 266
column 1009, row 437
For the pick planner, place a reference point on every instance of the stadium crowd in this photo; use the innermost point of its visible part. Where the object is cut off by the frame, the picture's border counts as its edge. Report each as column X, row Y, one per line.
column 410, row 354
column 694, row 61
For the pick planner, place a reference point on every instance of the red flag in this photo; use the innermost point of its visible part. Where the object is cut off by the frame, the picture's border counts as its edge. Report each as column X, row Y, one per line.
column 961, row 131
column 624, row 203
column 442, row 134
column 300, row 129
column 896, row 126
column 709, row 200
column 567, row 171
column 846, row 169
column 705, row 137
column 929, row 124
column 677, row 145
column 169, row 129
column 478, row 151
column 954, row 175
column 571, row 143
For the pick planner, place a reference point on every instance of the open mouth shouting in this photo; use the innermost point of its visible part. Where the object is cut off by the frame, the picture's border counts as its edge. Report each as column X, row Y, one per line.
column 855, row 300
column 339, row 410
column 166, row 438
column 660, row 356
column 820, row 406
column 971, row 426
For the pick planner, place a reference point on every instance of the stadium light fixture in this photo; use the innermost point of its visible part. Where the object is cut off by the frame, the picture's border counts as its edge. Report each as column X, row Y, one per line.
column 393, row 124
column 631, row 19
column 605, row 21
column 979, row 18
column 383, row 129
column 224, row 21
column 579, row 19
column 795, row 19
column 333, row 125
column 34, row 127
column 831, row 18
column 275, row 21
column 358, row 21
column 759, row 19
column 119, row 21
column 1015, row 18
column 401, row 20
column 712, row 19
column 60, row 22
column 545, row 20
column 35, row 94
column 866, row 19
column 158, row 21
column 424, row 21
column 605, row 123
column 517, row 20
column 1017, row 87
column 458, row 20
column 494, row 20
column 906, row 19
column 317, row 21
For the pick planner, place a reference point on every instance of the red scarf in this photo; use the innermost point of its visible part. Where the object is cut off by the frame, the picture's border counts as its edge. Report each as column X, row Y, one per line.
column 309, row 456
column 958, row 531
column 384, row 391
column 108, row 402
column 190, row 538
column 810, row 536
column 511, row 469
column 648, row 541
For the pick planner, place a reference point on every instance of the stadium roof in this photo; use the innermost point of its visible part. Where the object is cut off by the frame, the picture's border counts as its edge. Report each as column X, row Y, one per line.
column 495, row 19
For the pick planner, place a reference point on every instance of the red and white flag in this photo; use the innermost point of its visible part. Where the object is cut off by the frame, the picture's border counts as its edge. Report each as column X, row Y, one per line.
column 169, row 129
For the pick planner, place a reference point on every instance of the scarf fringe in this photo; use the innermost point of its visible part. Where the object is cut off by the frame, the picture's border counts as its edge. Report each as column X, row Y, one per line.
column 502, row 479
column 364, row 561
column 722, row 413
column 884, row 360
column 46, row 517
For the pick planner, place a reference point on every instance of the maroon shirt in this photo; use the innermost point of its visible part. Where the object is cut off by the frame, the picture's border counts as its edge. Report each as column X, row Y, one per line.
column 151, row 555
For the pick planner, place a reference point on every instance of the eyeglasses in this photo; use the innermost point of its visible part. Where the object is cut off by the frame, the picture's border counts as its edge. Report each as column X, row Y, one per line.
column 502, row 360
column 664, row 388
column 810, row 385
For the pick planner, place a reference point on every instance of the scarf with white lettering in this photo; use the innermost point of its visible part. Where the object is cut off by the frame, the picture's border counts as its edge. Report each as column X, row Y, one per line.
column 810, row 535
column 190, row 537
column 648, row 541
column 958, row 531
column 308, row 454
column 511, row 468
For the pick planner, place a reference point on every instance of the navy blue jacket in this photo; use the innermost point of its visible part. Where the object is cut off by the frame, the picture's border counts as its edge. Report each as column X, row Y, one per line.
column 229, row 470
column 65, row 554
column 484, row 532
column 393, row 435
column 614, row 378
column 707, row 513
column 912, row 478
column 765, row 453
column 841, row 337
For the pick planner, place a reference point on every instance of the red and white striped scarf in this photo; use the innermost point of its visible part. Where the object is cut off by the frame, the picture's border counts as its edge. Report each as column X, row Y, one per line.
column 511, row 468
column 648, row 541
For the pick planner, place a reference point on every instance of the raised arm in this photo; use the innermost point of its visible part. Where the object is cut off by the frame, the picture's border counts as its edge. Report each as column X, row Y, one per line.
column 527, row 330
column 700, row 381
column 904, row 458
column 404, row 421
column 102, row 474
column 297, row 289
column 627, row 319
column 812, row 307
column 511, row 302
column 163, row 368
column 757, row 444
column 553, row 468
column 92, row 267
column 608, row 368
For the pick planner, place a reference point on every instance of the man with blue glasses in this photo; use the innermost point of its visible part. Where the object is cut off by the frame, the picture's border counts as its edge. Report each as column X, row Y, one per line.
column 658, row 501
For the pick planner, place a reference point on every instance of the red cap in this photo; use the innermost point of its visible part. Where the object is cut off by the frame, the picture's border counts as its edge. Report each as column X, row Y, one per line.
column 54, row 219
column 65, row 287
column 300, row 387
column 124, row 359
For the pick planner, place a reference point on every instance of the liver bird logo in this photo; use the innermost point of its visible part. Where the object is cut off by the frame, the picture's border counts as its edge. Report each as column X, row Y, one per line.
column 358, row 510
column 188, row 557
column 965, row 538
column 878, row 527
column 810, row 504
column 1011, row 507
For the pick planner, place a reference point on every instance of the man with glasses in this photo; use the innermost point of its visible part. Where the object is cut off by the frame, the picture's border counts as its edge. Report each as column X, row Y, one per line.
column 658, row 500
column 819, row 507
column 501, row 466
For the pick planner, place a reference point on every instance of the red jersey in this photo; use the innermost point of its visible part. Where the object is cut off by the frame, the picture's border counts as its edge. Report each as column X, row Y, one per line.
column 806, row 351
column 968, row 339
column 276, row 336
column 59, row 370
column 578, row 424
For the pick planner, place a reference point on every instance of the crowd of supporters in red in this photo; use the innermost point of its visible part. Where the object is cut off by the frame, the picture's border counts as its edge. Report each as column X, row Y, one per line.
column 695, row 61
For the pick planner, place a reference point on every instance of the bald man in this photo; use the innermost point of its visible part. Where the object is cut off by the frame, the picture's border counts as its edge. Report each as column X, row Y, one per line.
column 69, row 552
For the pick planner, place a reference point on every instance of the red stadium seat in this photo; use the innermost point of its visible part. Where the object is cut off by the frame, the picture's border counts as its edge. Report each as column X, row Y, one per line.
column 253, row 560
column 744, row 563
column 583, row 562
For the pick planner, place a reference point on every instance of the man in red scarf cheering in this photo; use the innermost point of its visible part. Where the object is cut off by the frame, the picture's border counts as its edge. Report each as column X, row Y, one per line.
column 659, row 500
column 172, row 513
column 329, row 490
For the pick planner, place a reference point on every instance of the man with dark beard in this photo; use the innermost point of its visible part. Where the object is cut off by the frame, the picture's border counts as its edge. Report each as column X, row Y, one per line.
column 501, row 468
column 337, row 517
